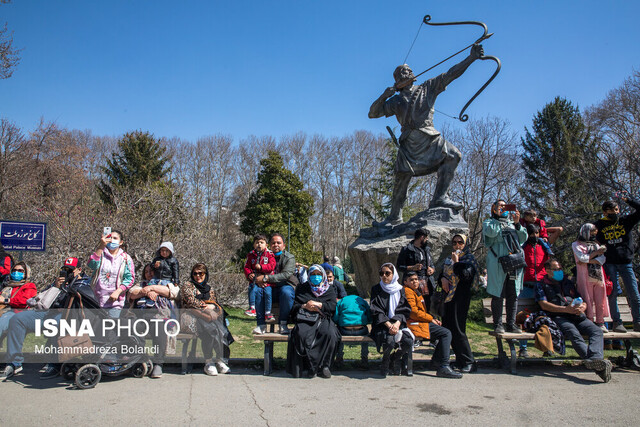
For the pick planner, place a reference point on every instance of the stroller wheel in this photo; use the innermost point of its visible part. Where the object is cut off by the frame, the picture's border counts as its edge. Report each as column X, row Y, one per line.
column 139, row 370
column 68, row 371
column 88, row 376
column 149, row 365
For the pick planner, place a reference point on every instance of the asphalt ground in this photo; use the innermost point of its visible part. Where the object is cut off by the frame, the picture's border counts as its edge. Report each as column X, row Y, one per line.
column 540, row 395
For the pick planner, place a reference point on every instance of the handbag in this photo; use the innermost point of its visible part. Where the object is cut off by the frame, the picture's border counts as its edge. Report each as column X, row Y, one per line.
column 307, row 316
column 46, row 298
column 69, row 343
column 512, row 262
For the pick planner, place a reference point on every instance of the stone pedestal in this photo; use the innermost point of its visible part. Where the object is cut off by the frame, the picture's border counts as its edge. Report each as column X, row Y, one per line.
column 377, row 245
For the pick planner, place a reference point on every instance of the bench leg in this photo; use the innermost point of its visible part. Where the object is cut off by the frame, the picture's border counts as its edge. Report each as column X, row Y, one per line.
column 503, row 360
column 410, row 363
column 268, row 357
column 514, row 356
column 633, row 359
column 185, row 350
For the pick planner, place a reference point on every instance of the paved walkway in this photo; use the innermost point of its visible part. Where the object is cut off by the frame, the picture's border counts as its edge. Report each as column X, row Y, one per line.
column 537, row 396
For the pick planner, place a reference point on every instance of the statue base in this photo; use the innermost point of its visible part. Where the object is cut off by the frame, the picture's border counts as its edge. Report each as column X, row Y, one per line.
column 379, row 244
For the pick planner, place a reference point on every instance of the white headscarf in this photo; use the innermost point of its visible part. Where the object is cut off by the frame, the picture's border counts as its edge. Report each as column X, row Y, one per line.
column 393, row 289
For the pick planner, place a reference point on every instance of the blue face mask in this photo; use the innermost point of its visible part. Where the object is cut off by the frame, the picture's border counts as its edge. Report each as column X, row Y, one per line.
column 17, row 275
column 504, row 214
column 113, row 246
column 315, row 279
column 277, row 253
column 558, row 275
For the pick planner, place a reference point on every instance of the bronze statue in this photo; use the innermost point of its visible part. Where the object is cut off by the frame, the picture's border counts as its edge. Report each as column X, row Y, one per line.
column 422, row 149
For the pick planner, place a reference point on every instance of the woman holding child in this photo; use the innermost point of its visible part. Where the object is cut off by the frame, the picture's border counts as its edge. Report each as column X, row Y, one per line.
column 314, row 339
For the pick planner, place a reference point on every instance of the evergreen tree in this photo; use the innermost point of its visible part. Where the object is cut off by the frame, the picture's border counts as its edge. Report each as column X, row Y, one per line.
column 279, row 193
column 140, row 160
column 556, row 154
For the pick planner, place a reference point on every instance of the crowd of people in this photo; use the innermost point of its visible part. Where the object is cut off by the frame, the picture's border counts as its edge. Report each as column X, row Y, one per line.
column 403, row 312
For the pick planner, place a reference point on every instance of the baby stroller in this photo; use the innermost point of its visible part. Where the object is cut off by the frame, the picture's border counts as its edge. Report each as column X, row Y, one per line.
column 86, row 371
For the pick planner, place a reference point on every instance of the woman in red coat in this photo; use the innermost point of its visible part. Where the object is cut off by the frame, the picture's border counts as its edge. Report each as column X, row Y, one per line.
column 15, row 294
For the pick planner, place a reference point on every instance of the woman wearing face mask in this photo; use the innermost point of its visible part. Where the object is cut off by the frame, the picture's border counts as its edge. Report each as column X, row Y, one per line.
column 589, row 256
column 114, row 272
column 502, row 234
column 314, row 339
column 390, row 311
column 18, row 289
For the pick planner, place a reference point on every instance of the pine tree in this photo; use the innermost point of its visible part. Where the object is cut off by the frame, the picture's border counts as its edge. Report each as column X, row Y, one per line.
column 140, row 160
column 279, row 194
column 556, row 153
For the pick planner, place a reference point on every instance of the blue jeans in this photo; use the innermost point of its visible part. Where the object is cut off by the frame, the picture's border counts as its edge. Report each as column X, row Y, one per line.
column 625, row 271
column 19, row 325
column 263, row 302
column 574, row 328
column 252, row 294
column 285, row 295
column 4, row 321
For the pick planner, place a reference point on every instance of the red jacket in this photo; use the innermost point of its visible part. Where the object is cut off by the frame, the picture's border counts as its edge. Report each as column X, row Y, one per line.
column 5, row 266
column 540, row 223
column 20, row 295
column 535, row 258
column 267, row 262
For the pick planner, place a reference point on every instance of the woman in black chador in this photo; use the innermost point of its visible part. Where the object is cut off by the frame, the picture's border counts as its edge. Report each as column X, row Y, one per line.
column 314, row 339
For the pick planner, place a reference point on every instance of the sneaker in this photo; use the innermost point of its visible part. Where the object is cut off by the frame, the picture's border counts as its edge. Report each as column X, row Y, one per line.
column 222, row 367
column 284, row 330
column 619, row 327
column 513, row 328
column 499, row 329
column 469, row 368
column 523, row 353
column 604, row 328
column 602, row 368
column 251, row 312
column 157, row 371
column 210, row 369
column 417, row 343
column 259, row 330
column 269, row 317
column 10, row 371
column 50, row 371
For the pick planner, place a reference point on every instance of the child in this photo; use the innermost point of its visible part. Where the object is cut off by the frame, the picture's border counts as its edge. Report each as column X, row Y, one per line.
column 165, row 265
column 548, row 236
column 260, row 261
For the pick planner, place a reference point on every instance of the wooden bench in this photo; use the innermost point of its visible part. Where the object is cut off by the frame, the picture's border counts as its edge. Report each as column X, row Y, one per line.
column 512, row 339
column 271, row 337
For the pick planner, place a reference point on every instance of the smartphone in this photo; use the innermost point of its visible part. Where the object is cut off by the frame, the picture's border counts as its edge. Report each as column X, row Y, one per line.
column 106, row 231
column 510, row 207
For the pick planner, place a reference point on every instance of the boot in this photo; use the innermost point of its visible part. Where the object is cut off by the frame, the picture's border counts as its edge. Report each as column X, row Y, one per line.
column 396, row 360
column 405, row 366
column 386, row 361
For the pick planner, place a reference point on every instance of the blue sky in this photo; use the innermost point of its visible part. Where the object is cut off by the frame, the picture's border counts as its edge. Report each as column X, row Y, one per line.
column 196, row 68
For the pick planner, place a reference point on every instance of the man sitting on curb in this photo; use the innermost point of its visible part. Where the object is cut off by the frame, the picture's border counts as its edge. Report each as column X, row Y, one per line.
column 555, row 295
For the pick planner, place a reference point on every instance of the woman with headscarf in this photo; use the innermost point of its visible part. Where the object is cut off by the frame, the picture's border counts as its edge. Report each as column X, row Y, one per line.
column 18, row 289
column 458, row 277
column 390, row 311
column 589, row 256
column 206, row 318
column 314, row 339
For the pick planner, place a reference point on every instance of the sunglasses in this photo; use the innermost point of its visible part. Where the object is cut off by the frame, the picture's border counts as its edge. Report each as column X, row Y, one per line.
column 198, row 273
column 386, row 273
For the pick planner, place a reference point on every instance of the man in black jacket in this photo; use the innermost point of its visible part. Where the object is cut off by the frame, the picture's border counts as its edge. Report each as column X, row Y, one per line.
column 416, row 256
column 615, row 231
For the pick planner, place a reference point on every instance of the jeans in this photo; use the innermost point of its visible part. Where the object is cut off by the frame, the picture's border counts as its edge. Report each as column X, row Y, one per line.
column 574, row 328
column 4, row 321
column 625, row 271
column 362, row 332
column 508, row 293
column 285, row 295
column 252, row 294
column 19, row 325
column 264, row 297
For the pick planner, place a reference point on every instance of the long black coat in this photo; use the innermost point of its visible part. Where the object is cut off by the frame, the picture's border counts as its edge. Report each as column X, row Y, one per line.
column 314, row 346
column 379, row 312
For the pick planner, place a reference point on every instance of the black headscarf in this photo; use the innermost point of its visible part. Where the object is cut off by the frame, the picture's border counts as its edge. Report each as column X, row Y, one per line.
column 204, row 288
